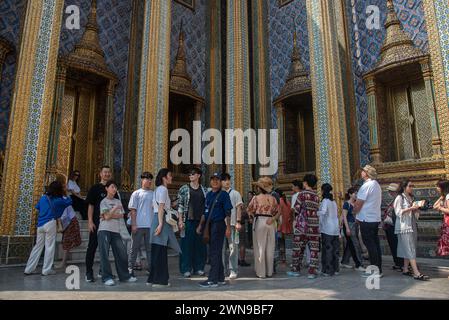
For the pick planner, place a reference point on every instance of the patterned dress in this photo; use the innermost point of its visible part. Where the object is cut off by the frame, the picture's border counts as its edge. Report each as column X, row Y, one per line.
column 71, row 238
column 443, row 243
column 306, row 230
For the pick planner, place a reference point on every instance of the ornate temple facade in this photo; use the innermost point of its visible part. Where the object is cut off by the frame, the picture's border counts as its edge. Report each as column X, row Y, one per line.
column 346, row 83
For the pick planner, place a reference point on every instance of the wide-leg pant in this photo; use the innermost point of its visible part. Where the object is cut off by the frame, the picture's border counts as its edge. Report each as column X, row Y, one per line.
column 264, row 244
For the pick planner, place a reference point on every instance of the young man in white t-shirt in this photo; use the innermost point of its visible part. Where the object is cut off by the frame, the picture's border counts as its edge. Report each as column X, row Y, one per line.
column 141, row 210
column 368, row 213
column 236, row 219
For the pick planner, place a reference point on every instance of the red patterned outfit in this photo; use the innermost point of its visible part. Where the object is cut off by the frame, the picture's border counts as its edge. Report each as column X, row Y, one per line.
column 443, row 243
column 306, row 230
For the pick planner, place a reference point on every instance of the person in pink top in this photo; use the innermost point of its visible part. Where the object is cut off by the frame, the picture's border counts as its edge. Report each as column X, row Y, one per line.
column 285, row 226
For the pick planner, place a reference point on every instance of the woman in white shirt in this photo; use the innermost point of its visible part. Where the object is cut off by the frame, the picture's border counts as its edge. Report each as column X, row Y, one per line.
column 330, row 231
column 163, row 236
column 406, row 229
column 74, row 190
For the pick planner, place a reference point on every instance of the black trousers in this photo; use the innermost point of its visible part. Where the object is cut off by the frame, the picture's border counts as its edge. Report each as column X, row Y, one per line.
column 393, row 244
column 91, row 249
column 80, row 206
column 159, row 265
column 329, row 254
column 370, row 237
column 217, row 235
column 349, row 250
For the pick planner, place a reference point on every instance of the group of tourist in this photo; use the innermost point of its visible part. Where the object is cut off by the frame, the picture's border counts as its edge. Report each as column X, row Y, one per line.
column 215, row 226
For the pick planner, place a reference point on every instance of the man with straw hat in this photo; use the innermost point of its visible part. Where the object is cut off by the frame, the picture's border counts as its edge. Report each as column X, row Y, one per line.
column 368, row 211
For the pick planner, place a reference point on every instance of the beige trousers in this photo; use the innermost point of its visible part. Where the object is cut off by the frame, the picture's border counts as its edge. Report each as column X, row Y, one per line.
column 264, row 243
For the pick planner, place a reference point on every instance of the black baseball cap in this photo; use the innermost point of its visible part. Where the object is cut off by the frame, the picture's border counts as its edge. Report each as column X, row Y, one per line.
column 215, row 175
column 146, row 175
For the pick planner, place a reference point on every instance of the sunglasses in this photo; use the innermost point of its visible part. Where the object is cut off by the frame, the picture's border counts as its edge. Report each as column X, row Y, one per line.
column 192, row 173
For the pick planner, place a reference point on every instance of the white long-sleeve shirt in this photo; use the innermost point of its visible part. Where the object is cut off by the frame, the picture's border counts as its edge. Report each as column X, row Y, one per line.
column 328, row 214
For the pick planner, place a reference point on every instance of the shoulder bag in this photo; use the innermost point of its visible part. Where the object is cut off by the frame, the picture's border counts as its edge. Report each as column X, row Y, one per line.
column 206, row 233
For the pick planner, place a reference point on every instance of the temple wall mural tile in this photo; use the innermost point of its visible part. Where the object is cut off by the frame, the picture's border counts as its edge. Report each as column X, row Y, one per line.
column 366, row 45
column 10, row 15
column 194, row 27
column 281, row 26
column 114, row 20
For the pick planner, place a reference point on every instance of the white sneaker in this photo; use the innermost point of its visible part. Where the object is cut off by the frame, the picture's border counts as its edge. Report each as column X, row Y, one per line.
column 311, row 276
column 109, row 283
column 346, row 266
column 361, row 269
column 49, row 273
column 186, row 274
column 233, row 275
column 200, row 273
column 132, row 279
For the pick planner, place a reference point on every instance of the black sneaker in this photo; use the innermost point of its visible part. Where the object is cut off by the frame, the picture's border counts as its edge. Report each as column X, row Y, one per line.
column 208, row 284
column 90, row 278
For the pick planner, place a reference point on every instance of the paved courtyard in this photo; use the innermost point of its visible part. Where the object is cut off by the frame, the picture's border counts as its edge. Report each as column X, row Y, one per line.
column 347, row 285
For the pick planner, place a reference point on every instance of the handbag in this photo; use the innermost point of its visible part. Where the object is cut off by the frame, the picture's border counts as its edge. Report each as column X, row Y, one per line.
column 206, row 232
column 67, row 217
column 172, row 218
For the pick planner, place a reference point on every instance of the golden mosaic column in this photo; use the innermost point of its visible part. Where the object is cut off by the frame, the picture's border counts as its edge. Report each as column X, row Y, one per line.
column 214, row 112
column 109, row 128
column 152, row 131
column 328, row 94
column 437, row 30
column 52, row 156
column 238, row 87
column 428, row 81
column 372, row 119
column 26, row 149
column 280, row 112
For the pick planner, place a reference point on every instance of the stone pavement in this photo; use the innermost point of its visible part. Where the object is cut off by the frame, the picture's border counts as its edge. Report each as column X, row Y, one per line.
column 347, row 285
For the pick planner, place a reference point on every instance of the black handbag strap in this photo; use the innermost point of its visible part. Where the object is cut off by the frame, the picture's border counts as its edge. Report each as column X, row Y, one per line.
column 213, row 206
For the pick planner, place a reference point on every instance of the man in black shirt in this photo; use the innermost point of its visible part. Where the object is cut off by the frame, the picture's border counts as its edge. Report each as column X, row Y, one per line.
column 191, row 204
column 95, row 195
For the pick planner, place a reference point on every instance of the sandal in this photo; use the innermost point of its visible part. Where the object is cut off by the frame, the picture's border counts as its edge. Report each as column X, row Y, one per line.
column 421, row 277
column 408, row 273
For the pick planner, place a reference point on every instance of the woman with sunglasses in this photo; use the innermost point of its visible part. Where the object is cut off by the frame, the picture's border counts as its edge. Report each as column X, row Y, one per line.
column 74, row 190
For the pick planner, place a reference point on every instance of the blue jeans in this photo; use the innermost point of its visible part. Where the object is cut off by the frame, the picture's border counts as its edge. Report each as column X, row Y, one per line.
column 108, row 239
column 217, row 235
column 231, row 262
column 193, row 257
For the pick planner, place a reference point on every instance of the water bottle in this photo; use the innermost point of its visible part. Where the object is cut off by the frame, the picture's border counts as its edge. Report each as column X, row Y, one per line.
column 237, row 237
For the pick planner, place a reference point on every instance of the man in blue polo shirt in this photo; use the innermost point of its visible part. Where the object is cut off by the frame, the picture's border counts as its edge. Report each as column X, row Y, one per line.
column 218, row 206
